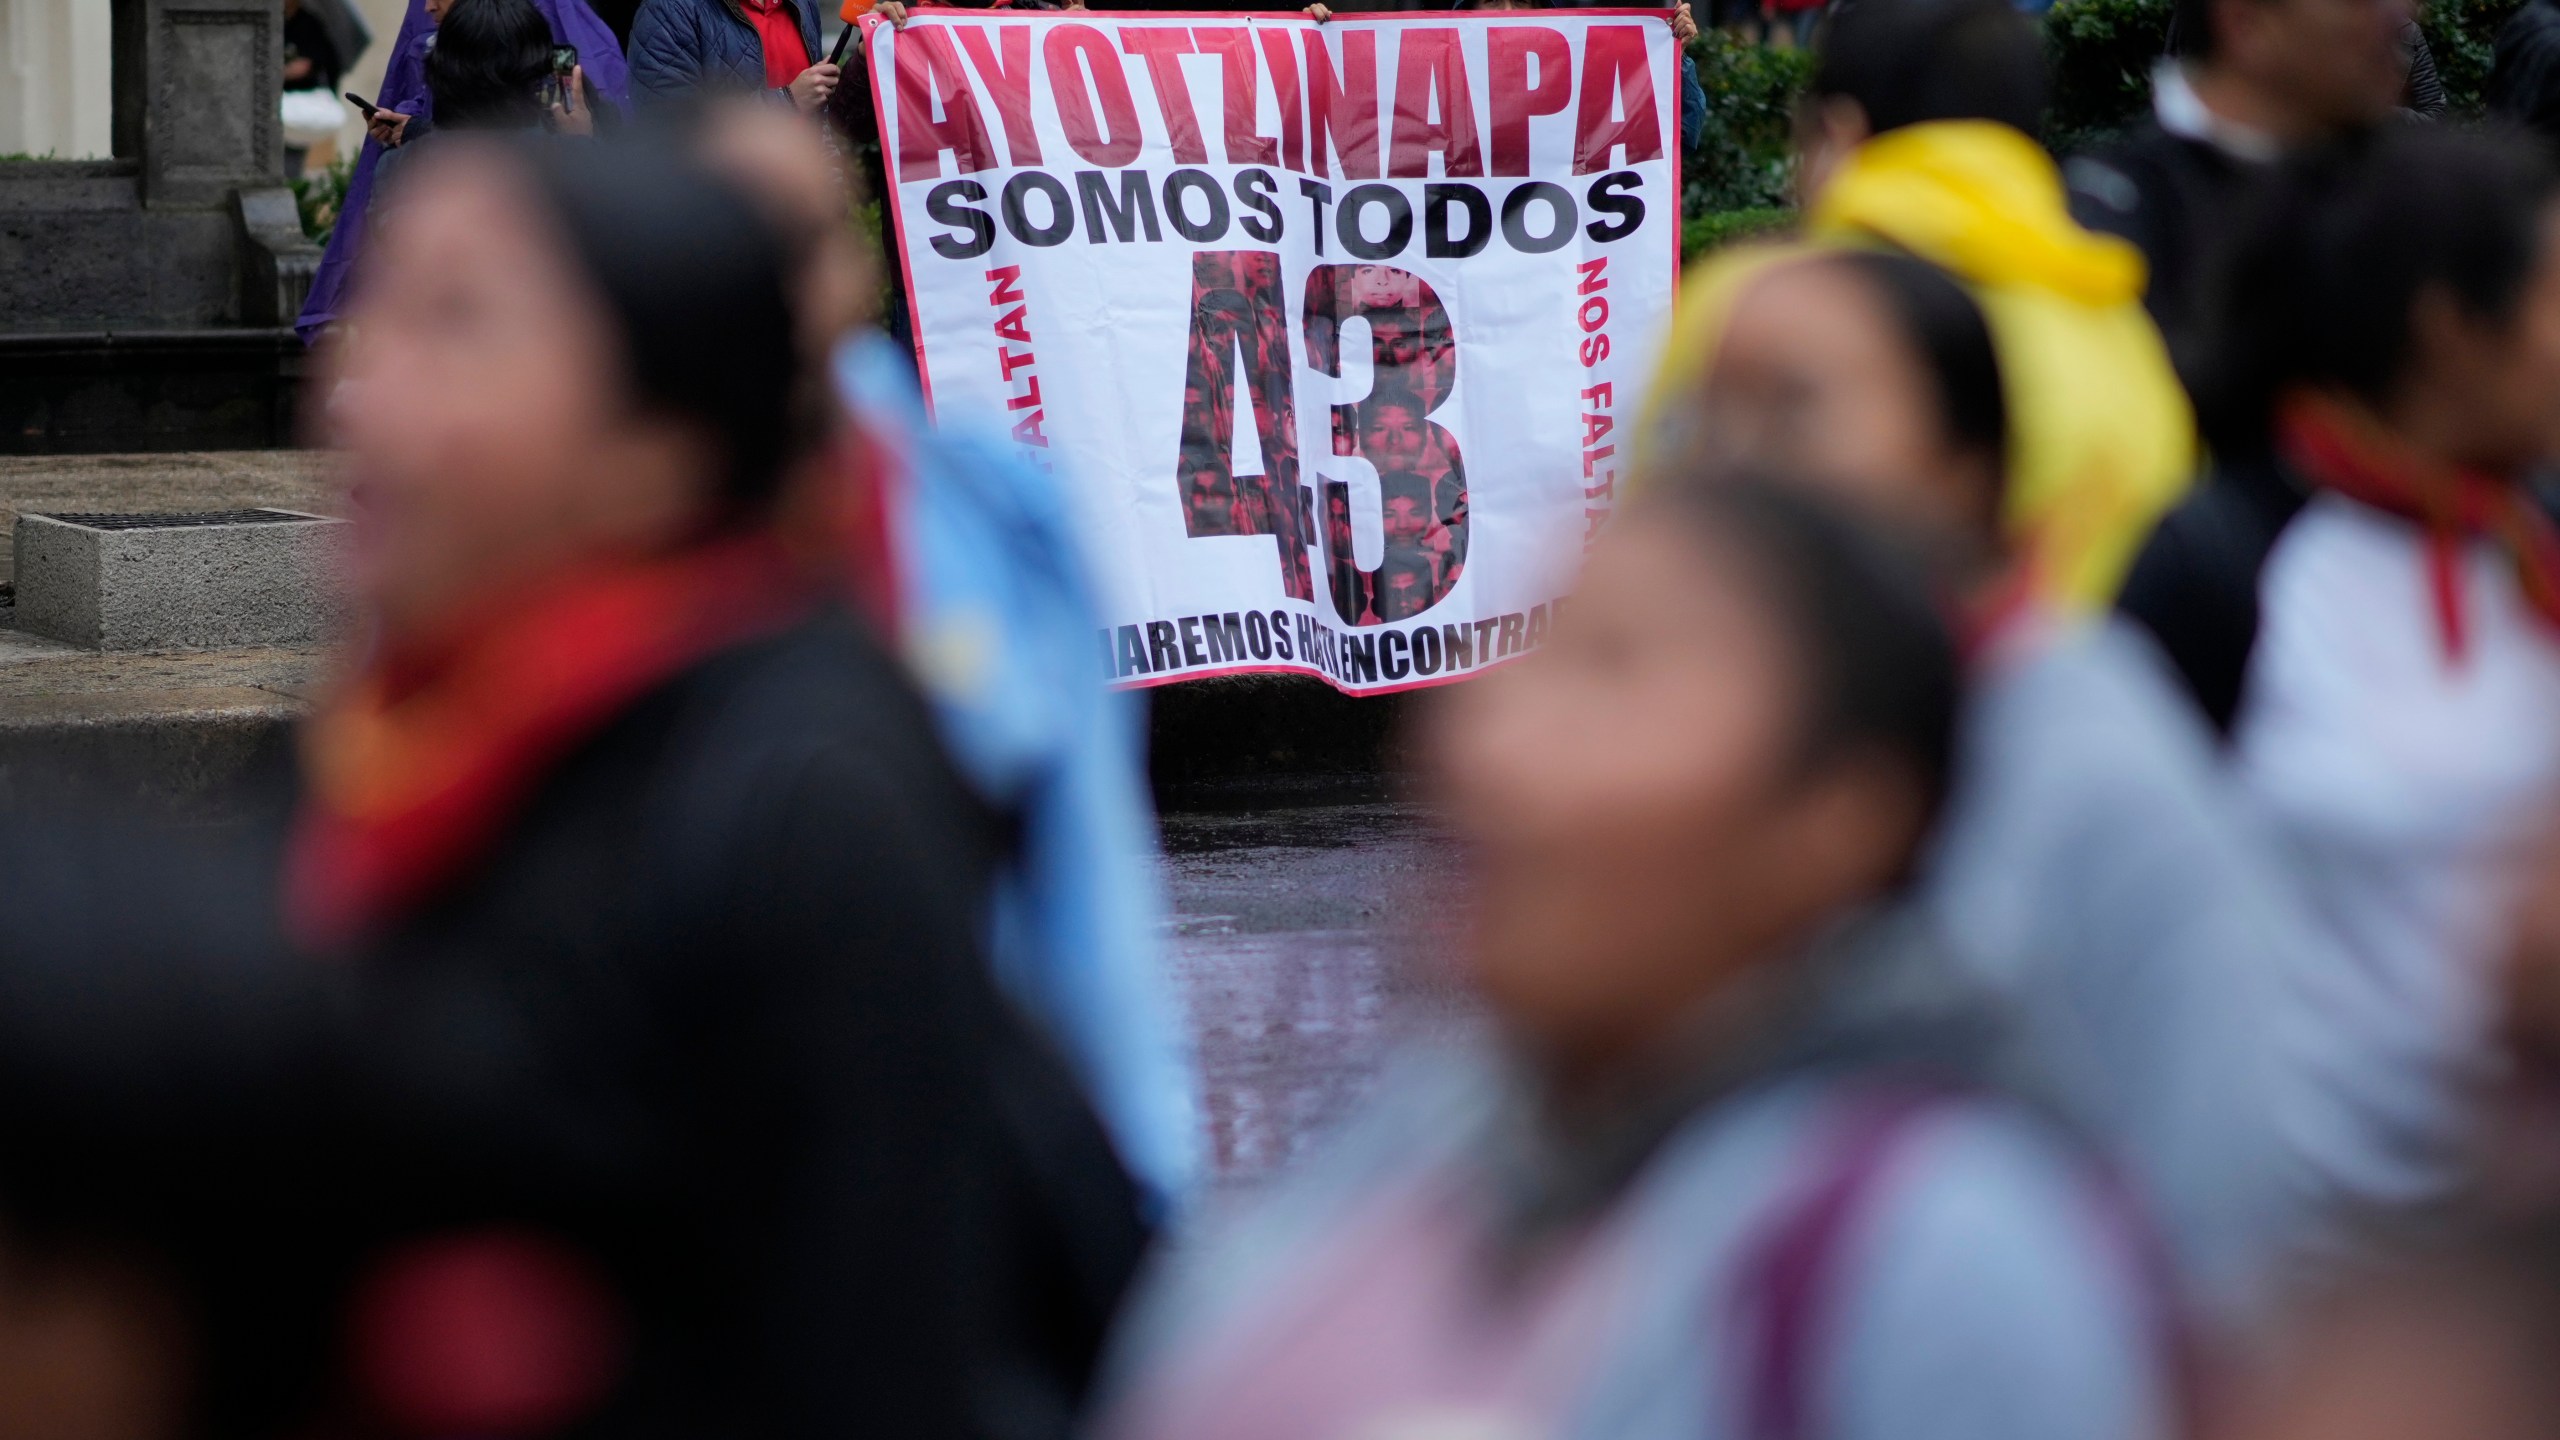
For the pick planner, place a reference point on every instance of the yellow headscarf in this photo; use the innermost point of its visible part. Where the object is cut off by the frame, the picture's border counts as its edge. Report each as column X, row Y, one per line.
column 2101, row 438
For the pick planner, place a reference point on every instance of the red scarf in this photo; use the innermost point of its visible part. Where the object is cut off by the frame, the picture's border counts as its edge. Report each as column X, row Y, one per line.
column 786, row 51
column 412, row 772
column 2339, row 448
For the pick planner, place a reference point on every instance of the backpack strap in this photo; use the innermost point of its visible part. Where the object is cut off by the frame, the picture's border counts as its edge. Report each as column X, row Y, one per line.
column 1786, row 1279
column 1787, row 1286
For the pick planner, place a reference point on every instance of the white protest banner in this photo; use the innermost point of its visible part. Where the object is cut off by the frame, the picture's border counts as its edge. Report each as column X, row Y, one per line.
column 1332, row 329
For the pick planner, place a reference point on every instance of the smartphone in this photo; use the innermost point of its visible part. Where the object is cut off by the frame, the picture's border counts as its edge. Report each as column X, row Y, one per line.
column 361, row 103
column 564, row 68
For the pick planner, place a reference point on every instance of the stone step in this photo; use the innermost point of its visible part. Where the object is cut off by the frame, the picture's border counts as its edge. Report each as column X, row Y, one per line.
column 182, row 751
column 172, row 732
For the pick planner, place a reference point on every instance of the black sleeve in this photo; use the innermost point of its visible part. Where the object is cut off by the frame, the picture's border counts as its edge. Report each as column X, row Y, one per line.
column 940, row 1162
column 2194, row 586
column 850, row 108
column 2109, row 193
column 866, row 1023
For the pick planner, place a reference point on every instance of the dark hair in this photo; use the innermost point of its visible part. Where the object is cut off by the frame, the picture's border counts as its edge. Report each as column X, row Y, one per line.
column 1391, row 392
column 2319, row 288
column 1397, row 563
column 487, row 63
column 699, row 285
column 1396, row 485
column 1224, row 300
column 1945, row 329
column 1880, row 667
column 1907, row 62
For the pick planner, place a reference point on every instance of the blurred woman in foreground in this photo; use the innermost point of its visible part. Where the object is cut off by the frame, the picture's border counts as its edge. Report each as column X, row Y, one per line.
column 2093, row 870
column 634, row 1067
column 1719, row 1169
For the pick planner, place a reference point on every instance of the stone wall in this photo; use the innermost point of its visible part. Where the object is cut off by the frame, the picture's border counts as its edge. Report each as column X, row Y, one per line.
column 190, row 223
column 144, row 297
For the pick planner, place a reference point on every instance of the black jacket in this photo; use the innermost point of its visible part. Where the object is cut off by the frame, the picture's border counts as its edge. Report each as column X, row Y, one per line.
column 2182, row 202
column 711, row 1015
column 2194, row 586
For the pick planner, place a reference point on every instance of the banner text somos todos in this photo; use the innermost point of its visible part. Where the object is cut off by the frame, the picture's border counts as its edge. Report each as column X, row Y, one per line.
column 1170, row 256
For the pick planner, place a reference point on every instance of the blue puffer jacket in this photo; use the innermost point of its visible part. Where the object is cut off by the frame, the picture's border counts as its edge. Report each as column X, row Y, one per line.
column 682, row 46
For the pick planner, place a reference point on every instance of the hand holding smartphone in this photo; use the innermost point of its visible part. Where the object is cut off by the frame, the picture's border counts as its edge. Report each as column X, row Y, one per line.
column 554, row 91
column 386, row 126
column 565, row 96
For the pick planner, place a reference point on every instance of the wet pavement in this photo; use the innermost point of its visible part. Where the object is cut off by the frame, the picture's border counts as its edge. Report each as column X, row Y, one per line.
column 1308, row 938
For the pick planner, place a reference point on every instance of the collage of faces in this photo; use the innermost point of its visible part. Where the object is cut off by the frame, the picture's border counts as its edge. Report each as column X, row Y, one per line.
column 1238, row 311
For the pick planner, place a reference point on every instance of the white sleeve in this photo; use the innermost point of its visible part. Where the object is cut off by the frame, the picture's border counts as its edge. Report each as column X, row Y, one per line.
column 1987, row 1295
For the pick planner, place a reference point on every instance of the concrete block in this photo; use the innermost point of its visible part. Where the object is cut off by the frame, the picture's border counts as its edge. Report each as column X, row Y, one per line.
column 179, row 582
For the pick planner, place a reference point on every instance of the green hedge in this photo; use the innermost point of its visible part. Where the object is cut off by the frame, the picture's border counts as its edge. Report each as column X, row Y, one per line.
column 318, row 194
column 2102, row 53
column 2460, row 34
column 1745, row 160
column 1702, row 233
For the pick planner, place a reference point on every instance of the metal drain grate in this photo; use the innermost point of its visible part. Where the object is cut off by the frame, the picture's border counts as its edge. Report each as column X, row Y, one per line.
column 190, row 520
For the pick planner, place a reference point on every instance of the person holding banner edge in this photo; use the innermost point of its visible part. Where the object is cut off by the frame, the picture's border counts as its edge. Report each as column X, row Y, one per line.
column 767, row 47
column 1684, row 30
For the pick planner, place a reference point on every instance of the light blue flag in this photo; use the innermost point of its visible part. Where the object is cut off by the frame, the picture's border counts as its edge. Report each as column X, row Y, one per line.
column 999, row 626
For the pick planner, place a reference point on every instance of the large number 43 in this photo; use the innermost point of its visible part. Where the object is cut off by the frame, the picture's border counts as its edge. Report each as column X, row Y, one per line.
column 1238, row 314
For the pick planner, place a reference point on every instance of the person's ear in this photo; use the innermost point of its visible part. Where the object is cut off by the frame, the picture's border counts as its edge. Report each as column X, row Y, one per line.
column 1827, row 129
column 655, row 483
column 1845, row 834
column 1974, row 492
column 1868, row 818
column 2447, row 344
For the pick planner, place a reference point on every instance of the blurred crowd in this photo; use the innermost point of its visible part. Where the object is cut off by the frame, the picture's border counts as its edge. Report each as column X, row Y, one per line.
column 2021, row 899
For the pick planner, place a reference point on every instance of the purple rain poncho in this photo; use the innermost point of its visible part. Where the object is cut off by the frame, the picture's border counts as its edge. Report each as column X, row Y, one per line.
column 404, row 88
